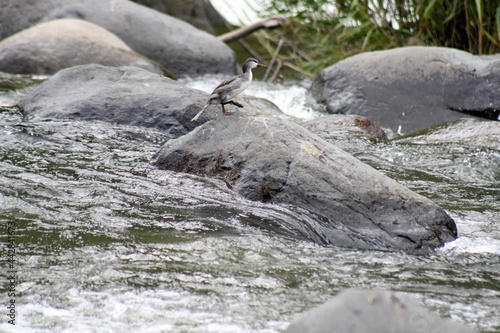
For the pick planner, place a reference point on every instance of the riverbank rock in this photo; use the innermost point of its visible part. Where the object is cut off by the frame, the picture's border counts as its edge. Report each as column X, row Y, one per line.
column 470, row 132
column 410, row 88
column 272, row 160
column 49, row 47
column 180, row 47
column 373, row 311
column 345, row 127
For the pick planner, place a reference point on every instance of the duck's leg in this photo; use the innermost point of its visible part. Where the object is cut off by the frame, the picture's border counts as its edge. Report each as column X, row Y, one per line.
column 236, row 103
column 224, row 109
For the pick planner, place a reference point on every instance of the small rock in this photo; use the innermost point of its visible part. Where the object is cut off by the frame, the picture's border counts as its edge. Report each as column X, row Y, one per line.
column 373, row 311
column 7, row 102
column 345, row 127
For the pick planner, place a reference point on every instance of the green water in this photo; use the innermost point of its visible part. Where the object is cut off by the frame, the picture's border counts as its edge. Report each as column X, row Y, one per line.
column 106, row 243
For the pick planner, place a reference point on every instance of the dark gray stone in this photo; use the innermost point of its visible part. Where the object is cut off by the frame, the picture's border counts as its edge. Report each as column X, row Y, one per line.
column 122, row 95
column 373, row 311
column 175, row 44
column 272, row 160
column 49, row 47
column 127, row 95
column 411, row 88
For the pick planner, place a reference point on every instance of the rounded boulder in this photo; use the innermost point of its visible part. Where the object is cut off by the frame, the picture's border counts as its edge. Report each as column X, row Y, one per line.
column 181, row 48
column 49, row 47
column 410, row 88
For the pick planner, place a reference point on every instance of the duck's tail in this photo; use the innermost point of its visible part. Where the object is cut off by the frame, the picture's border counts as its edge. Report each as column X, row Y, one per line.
column 201, row 111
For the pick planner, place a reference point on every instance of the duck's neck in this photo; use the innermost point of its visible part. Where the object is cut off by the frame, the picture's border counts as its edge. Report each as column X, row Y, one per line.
column 247, row 73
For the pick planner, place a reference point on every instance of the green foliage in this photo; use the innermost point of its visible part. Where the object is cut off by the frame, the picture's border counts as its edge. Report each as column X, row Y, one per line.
column 471, row 25
column 323, row 32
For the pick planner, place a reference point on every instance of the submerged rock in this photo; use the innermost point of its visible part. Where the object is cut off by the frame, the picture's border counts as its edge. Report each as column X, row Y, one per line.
column 49, row 47
column 341, row 126
column 272, row 160
column 373, row 311
column 470, row 132
column 410, row 88
column 180, row 47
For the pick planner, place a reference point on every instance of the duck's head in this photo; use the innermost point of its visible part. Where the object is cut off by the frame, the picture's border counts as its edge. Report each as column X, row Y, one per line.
column 251, row 63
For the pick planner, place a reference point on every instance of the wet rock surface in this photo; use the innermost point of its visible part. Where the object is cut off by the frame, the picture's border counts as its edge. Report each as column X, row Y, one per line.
column 470, row 132
column 345, row 127
column 260, row 156
column 370, row 311
column 272, row 160
column 49, row 47
column 127, row 95
column 410, row 88
column 121, row 95
column 180, row 47
column 92, row 171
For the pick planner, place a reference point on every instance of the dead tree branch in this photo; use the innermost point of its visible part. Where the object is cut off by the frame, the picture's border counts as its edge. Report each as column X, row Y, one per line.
column 268, row 22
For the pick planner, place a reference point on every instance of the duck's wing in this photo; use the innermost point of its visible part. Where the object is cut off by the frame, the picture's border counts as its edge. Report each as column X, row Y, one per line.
column 226, row 84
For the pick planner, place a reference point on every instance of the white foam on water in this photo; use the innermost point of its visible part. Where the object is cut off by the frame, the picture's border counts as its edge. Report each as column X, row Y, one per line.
column 467, row 244
column 478, row 234
column 111, row 311
column 291, row 99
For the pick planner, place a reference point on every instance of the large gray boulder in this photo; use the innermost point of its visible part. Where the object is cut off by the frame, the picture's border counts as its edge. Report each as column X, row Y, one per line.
column 121, row 95
column 49, row 47
column 373, row 311
column 177, row 45
column 126, row 95
column 199, row 13
column 412, row 87
column 270, row 159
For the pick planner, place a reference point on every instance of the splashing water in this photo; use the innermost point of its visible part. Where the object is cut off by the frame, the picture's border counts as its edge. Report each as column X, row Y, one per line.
column 105, row 240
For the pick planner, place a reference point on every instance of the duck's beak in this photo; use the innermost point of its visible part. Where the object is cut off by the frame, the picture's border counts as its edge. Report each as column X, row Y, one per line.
column 261, row 65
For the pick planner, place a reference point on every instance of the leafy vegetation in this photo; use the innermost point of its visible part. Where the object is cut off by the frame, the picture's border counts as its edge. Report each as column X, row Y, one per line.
column 322, row 32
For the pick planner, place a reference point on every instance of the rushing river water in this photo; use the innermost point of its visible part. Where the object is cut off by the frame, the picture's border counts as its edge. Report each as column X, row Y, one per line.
column 106, row 243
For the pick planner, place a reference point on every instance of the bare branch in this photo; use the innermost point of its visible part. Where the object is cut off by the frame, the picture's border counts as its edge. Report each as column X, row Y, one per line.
column 268, row 22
